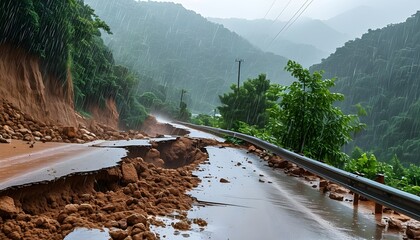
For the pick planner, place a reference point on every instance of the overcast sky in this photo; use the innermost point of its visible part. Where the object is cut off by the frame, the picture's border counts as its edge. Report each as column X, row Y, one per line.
column 318, row 9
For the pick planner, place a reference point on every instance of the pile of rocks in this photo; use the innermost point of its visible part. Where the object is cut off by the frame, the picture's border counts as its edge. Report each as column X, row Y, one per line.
column 15, row 124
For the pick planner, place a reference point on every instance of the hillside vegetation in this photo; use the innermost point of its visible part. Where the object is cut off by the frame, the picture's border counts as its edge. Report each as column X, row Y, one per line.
column 66, row 37
column 182, row 50
column 381, row 72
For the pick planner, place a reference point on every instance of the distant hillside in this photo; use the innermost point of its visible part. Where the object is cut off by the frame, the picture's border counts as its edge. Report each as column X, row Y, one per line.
column 181, row 49
column 359, row 20
column 307, row 41
column 356, row 21
column 381, row 71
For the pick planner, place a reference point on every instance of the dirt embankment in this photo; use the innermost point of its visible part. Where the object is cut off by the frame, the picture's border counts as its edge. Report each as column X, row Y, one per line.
column 49, row 100
column 126, row 198
column 23, row 84
column 107, row 115
column 154, row 128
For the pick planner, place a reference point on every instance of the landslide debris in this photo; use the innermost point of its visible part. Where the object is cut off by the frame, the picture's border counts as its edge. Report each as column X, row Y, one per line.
column 125, row 198
column 14, row 124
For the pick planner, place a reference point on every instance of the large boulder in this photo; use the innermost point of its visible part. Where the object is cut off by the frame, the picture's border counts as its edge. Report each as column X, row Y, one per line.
column 70, row 132
column 129, row 173
column 7, row 206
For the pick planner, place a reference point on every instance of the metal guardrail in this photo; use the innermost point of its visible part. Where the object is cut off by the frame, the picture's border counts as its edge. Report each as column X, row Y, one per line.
column 393, row 198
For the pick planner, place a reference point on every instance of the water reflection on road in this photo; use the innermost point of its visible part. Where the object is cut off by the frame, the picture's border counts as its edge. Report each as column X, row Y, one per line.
column 259, row 203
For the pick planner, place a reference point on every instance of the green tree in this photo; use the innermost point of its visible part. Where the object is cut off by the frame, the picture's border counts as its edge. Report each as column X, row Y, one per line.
column 311, row 123
column 247, row 105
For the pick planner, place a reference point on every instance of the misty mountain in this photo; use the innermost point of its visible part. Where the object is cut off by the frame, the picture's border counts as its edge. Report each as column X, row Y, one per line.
column 381, row 72
column 307, row 40
column 182, row 50
column 359, row 20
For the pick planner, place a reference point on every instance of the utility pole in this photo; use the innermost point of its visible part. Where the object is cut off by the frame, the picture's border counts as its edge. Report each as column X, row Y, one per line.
column 239, row 61
column 182, row 95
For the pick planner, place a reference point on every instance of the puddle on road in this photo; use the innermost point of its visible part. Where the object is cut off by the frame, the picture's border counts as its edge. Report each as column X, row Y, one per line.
column 84, row 233
column 249, row 207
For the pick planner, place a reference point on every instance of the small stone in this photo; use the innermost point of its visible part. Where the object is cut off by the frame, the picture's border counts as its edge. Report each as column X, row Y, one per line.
column 140, row 226
column 3, row 140
column 222, row 180
column 85, row 207
column 395, row 224
column 200, row 222
column 336, row 196
column 136, row 218
column 71, row 208
column 118, row 234
column 37, row 134
column 24, row 131
column 252, row 148
column 323, row 183
column 182, row 225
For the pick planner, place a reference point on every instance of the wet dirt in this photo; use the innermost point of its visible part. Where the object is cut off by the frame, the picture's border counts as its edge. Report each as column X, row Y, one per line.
column 126, row 198
column 152, row 127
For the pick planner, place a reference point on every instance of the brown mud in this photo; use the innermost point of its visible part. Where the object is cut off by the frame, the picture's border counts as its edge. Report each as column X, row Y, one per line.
column 25, row 85
column 126, row 198
column 154, row 128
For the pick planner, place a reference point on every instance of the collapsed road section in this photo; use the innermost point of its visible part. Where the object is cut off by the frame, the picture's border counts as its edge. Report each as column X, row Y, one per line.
column 124, row 198
column 177, row 188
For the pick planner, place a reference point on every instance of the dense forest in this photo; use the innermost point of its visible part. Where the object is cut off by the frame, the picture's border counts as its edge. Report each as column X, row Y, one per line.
column 381, row 72
column 66, row 36
column 182, row 50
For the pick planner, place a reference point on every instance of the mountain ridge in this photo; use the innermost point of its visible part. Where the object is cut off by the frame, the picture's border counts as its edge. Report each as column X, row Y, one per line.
column 381, row 72
column 181, row 49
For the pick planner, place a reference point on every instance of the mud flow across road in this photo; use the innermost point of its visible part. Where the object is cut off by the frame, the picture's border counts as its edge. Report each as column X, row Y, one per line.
column 168, row 188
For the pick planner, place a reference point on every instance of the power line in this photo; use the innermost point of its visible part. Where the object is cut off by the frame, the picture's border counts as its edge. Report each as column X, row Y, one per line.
column 282, row 11
column 298, row 16
column 274, row 2
column 292, row 18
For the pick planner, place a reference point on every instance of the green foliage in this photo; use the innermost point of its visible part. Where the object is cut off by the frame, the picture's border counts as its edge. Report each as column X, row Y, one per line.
column 304, row 121
column 380, row 72
column 181, row 49
column 365, row 164
column 233, row 140
column 184, row 115
column 247, row 105
column 311, row 123
column 396, row 175
column 207, row 120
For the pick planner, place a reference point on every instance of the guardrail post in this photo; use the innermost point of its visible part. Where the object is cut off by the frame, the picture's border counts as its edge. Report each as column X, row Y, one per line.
column 355, row 199
column 380, row 178
column 355, row 195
